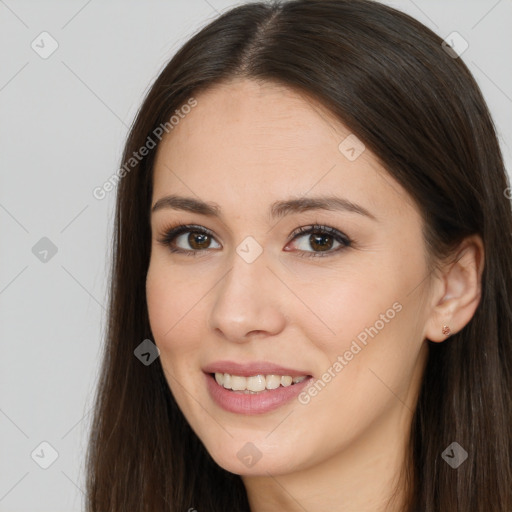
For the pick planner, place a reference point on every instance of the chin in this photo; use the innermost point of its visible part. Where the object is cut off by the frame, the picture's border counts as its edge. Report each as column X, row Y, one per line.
column 254, row 458
column 262, row 467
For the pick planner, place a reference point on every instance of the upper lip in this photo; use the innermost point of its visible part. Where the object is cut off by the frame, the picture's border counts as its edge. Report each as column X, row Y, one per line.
column 253, row 368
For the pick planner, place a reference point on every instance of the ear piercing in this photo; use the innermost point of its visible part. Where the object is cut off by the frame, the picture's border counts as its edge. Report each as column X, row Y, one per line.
column 446, row 330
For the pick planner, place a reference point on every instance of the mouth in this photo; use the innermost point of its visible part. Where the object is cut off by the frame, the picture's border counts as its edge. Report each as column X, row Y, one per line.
column 255, row 384
column 253, row 388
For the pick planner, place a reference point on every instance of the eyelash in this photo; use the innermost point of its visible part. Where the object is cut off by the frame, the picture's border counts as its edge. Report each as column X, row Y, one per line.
column 174, row 231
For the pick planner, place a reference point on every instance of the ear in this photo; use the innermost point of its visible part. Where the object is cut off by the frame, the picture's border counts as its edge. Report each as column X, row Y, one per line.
column 458, row 290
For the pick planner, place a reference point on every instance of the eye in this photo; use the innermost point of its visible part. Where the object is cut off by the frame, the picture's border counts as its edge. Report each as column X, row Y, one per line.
column 323, row 240
column 188, row 239
column 192, row 240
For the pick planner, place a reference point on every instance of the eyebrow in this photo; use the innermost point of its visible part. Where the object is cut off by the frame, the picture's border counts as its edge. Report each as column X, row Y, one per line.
column 278, row 209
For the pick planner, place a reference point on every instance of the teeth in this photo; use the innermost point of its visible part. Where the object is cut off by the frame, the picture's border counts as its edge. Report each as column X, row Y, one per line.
column 286, row 380
column 255, row 383
column 238, row 383
column 273, row 381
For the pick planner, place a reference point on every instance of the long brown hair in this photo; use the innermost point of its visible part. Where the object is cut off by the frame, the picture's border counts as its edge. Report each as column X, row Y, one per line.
column 419, row 110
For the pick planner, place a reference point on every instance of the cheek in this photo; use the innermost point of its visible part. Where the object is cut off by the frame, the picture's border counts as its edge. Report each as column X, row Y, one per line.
column 365, row 369
column 335, row 309
column 369, row 316
column 171, row 304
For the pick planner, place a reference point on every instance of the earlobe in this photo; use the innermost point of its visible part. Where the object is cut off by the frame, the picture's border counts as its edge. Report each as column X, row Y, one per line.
column 461, row 282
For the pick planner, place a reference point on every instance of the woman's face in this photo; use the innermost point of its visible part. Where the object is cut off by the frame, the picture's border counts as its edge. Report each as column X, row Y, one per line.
column 305, row 259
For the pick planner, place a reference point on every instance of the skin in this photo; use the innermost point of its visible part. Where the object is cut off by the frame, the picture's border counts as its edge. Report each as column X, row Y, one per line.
column 245, row 145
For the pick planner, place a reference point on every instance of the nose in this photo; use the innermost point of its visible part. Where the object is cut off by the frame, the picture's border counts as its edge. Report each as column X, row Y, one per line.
column 248, row 302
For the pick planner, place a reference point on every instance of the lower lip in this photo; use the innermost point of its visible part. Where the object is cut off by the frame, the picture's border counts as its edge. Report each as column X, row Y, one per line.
column 258, row 403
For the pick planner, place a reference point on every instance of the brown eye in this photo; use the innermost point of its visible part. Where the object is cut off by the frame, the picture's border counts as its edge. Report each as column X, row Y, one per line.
column 198, row 240
column 319, row 240
column 188, row 240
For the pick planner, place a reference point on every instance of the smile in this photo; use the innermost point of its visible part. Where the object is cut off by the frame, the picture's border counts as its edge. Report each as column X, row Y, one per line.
column 256, row 383
column 253, row 388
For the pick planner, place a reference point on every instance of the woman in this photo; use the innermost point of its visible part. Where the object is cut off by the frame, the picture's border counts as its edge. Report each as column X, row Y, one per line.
column 310, row 301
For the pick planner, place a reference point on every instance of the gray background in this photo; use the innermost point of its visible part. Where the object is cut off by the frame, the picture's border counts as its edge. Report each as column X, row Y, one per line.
column 63, row 124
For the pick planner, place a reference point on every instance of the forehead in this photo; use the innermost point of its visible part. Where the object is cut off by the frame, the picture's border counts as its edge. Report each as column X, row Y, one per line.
column 242, row 116
column 263, row 141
